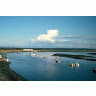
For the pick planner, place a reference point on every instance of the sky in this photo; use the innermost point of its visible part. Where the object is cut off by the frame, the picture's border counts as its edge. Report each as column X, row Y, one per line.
column 48, row 31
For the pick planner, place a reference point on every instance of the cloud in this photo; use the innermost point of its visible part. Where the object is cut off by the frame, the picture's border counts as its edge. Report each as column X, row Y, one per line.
column 49, row 37
column 33, row 41
column 67, row 37
column 78, row 37
column 64, row 40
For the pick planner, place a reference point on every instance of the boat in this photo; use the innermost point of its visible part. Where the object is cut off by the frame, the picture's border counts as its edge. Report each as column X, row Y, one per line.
column 94, row 70
column 33, row 54
column 57, row 60
column 7, row 60
column 75, row 64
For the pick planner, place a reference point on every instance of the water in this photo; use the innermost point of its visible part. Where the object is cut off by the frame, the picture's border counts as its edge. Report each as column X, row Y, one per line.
column 37, row 68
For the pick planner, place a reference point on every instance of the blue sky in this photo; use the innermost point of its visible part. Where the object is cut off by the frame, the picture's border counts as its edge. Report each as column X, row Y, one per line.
column 48, row 31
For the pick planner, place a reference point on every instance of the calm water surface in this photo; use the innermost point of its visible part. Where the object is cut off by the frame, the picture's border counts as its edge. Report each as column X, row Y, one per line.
column 37, row 68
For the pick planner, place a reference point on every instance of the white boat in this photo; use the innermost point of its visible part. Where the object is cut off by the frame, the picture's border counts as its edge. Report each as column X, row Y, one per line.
column 7, row 60
column 33, row 54
column 75, row 64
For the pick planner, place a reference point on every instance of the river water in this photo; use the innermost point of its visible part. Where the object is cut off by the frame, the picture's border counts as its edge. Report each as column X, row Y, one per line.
column 43, row 67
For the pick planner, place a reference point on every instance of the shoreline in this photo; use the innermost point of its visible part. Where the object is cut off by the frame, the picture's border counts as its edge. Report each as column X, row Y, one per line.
column 7, row 74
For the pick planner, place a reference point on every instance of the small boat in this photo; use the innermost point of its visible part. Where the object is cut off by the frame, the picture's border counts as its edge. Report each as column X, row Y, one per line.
column 33, row 54
column 75, row 64
column 72, row 64
column 7, row 60
column 94, row 70
column 58, row 60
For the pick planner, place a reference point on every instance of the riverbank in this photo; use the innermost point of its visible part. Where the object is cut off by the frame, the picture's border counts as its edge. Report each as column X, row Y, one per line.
column 7, row 74
column 10, row 51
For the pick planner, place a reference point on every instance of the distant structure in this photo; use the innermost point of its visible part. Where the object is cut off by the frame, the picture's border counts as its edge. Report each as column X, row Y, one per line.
column 28, row 50
column 3, row 58
column 0, row 56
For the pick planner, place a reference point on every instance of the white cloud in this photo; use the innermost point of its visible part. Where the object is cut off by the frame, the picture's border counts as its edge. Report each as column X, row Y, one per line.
column 68, row 37
column 63, row 40
column 49, row 36
column 33, row 41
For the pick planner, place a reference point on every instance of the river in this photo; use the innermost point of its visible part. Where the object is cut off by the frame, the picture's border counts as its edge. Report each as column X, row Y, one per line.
column 43, row 67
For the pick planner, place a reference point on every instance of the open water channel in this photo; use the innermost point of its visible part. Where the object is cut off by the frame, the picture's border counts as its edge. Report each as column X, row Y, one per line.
column 43, row 67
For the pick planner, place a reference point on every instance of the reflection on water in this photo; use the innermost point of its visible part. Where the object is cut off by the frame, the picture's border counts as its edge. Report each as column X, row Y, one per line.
column 38, row 68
